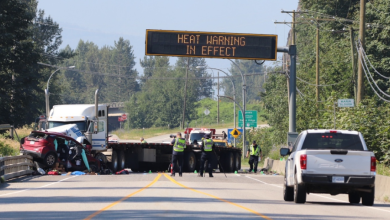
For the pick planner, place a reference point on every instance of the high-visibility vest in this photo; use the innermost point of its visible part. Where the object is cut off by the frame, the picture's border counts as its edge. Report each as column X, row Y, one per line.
column 180, row 144
column 144, row 142
column 208, row 145
column 255, row 152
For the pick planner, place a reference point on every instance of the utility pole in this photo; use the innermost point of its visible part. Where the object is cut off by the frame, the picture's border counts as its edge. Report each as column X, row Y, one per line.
column 362, row 30
column 185, row 93
column 317, row 63
column 218, row 100
column 353, row 61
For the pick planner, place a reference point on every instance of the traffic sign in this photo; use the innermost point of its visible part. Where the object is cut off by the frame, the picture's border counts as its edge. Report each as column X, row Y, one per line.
column 42, row 117
column 346, row 103
column 124, row 117
column 235, row 133
column 120, row 119
column 250, row 119
column 230, row 136
column 211, row 45
column 206, row 112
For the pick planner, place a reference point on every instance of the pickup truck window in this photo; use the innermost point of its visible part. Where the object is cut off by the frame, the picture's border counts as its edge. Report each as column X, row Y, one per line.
column 321, row 141
column 294, row 148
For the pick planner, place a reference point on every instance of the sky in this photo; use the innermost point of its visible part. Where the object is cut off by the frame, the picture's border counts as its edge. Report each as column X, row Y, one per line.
column 104, row 22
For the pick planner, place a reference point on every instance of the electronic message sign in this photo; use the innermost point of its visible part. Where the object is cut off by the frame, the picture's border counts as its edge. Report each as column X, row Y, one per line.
column 211, row 45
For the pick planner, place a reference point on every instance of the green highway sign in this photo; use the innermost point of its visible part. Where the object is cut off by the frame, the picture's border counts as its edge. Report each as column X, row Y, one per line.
column 250, row 119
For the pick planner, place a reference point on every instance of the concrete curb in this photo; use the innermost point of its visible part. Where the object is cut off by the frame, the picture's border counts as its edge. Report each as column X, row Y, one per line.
column 382, row 183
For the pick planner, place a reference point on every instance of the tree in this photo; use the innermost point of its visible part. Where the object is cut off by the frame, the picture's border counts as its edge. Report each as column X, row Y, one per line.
column 26, row 37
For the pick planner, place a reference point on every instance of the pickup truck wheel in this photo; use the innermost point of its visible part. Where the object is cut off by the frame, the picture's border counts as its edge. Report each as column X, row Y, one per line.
column 299, row 192
column 288, row 192
column 354, row 198
column 368, row 197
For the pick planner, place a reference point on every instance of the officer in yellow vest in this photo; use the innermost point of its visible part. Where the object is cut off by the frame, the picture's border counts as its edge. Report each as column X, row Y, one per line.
column 143, row 141
column 207, row 154
column 178, row 153
column 255, row 151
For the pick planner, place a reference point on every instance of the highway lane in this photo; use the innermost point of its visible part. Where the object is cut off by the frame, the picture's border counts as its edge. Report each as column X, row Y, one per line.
column 151, row 196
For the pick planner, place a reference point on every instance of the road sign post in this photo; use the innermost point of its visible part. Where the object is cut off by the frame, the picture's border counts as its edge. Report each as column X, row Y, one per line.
column 250, row 119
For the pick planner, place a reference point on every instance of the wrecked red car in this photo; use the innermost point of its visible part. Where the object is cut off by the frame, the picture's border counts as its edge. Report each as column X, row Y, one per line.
column 47, row 148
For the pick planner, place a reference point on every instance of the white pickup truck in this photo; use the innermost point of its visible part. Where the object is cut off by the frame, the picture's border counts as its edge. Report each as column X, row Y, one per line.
column 331, row 162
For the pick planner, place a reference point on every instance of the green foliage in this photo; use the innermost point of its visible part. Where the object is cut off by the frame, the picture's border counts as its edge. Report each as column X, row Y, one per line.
column 26, row 38
column 7, row 150
column 254, row 84
column 370, row 117
column 109, row 68
column 160, row 102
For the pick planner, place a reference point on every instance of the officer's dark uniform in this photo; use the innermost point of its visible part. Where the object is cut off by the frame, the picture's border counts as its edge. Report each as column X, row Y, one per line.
column 254, row 151
column 207, row 154
column 177, row 154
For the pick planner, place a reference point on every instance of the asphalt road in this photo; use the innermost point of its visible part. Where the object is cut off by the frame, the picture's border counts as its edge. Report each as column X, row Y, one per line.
column 156, row 196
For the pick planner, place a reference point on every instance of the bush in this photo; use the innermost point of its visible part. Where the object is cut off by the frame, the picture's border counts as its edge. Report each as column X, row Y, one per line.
column 7, row 150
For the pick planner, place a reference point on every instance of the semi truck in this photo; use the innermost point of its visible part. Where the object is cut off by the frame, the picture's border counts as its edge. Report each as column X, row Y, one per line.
column 92, row 121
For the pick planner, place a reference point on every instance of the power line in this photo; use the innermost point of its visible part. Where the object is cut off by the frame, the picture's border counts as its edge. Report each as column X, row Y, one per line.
column 158, row 78
column 369, row 82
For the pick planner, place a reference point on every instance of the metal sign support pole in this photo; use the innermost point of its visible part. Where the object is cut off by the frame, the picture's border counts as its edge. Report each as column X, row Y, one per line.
column 292, row 51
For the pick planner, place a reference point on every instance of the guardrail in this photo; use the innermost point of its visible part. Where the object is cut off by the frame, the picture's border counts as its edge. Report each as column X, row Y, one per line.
column 11, row 167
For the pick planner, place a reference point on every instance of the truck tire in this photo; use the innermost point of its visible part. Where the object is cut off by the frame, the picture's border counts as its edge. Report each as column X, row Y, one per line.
column 237, row 158
column 354, row 198
column 190, row 162
column 288, row 191
column 299, row 192
column 121, row 160
column 230, row 162
column 368, row 197
column 50, row 159
column 114, row 161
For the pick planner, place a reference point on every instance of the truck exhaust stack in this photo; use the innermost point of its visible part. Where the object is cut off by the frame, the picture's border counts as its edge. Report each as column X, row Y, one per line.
column 96, row 104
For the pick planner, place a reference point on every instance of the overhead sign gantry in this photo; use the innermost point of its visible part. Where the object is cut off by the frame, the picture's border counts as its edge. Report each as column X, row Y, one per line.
column 211, row 45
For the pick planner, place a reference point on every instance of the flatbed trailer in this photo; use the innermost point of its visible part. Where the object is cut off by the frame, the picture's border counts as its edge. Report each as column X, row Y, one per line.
column 157, row 157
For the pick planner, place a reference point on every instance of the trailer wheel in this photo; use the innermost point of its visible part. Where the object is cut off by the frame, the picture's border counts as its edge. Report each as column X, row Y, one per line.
column 114, row 161
column 121, row 160
column 189, row 162
column 230, row 162
column 237, row 158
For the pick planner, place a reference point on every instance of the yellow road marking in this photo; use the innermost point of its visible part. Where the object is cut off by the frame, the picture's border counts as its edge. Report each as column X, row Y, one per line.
column 223, row 200
column 123, row 199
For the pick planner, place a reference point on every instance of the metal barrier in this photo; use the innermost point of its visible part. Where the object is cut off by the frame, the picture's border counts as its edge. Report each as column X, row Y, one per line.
column 11, row 167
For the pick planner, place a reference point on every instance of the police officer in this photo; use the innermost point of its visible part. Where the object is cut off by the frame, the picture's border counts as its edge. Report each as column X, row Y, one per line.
column 178, row 153
column 255, row 152
column 207, row 154
column 143, row 141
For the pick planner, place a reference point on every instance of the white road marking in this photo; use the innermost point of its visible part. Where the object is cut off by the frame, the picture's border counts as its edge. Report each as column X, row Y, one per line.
column 316, row 194
column 37, row 187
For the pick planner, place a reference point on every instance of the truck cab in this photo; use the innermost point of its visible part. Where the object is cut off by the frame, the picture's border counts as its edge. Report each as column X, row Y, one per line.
column 83, row 115
column 196, row 134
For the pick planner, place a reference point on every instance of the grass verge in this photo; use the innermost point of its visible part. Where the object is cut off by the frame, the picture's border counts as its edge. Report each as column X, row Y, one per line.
column 9, row 147
column 382, row 169
column 136, row 134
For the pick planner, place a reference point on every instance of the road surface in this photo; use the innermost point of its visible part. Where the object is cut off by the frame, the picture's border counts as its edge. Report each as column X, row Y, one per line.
column 157, row 196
